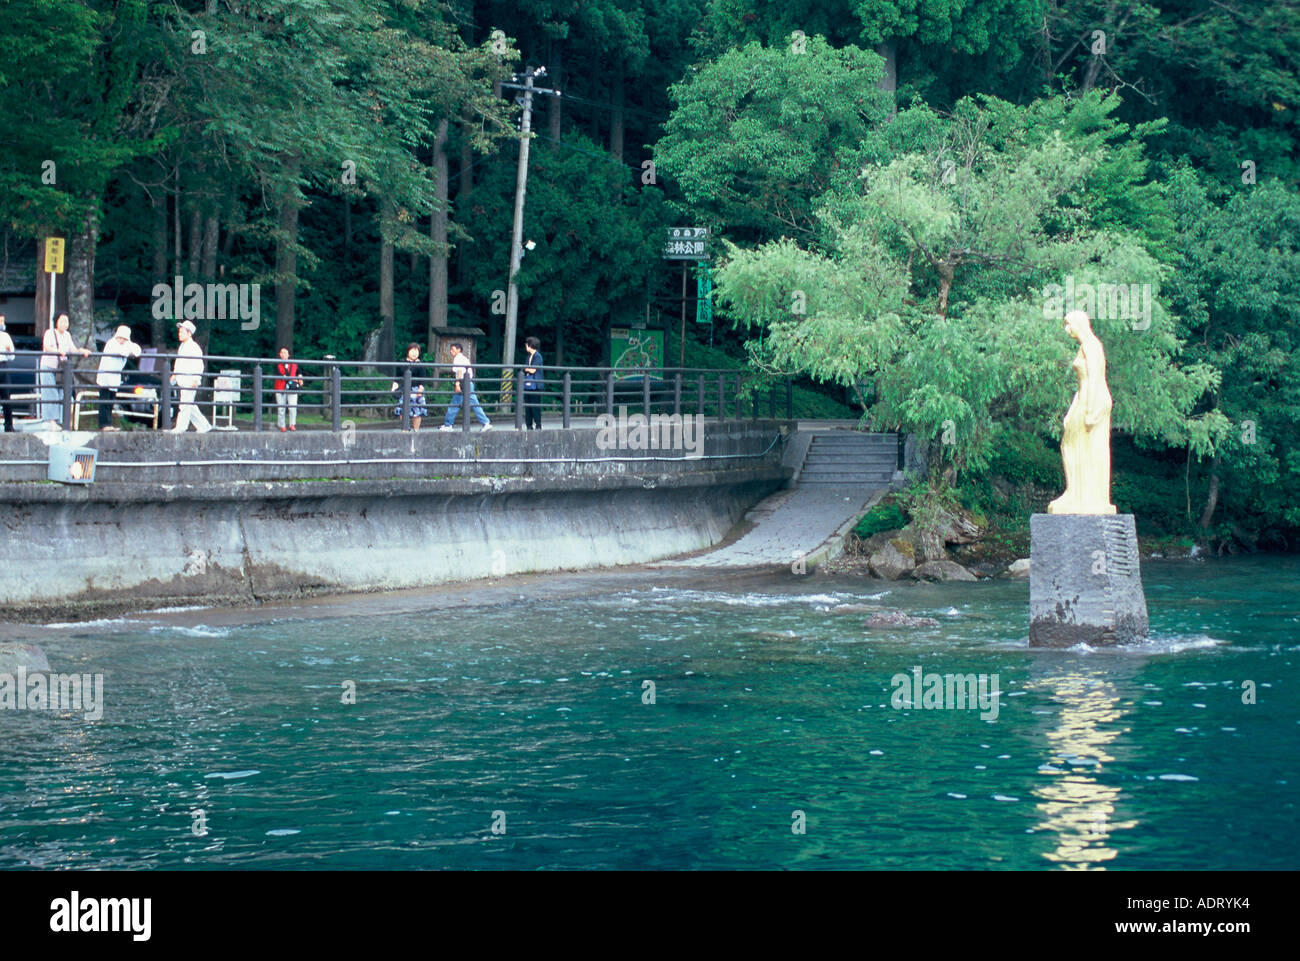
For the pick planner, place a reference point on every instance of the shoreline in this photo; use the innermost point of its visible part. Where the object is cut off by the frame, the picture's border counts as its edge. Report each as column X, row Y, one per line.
column 509, row 589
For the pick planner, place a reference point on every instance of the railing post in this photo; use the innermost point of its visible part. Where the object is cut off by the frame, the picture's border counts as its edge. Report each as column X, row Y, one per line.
column 609, row 392
column 336, row 398
column 701, row 396
column 406, row 398
column 902, row 449
column 645, row 393
column 677, row 393
column 754, row 398
column 466, row 392
column 519, row 400
column 568, row 393
column 789, row 399
column 771, row 401
column 722, row 397
column 165, row 395
column 257, row 398
column 65, row 375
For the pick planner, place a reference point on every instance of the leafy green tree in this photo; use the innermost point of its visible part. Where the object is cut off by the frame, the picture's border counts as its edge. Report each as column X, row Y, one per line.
column 1238, row 292
column 758, row 133
column 929, row 292
column 1226, row 76
column 76, row 111
column 376, row 79
column 940, row 49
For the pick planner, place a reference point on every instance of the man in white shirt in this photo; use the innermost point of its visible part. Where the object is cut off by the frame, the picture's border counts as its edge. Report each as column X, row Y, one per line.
column 109, row 378
column 187, row 375
column 463, row 373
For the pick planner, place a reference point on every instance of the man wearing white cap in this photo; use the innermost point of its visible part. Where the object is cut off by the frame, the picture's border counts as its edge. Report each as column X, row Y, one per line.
column 109, row 377
column 187, row 375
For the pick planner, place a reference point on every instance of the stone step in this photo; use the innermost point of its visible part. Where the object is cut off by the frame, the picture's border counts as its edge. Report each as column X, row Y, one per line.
column 873, row 458
column 851, row 456
column 855, row 442
column 887, row 472
column 846, row 478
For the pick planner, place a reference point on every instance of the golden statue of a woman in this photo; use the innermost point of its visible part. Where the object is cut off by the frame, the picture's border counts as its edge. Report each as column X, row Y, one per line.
column 1085, row 441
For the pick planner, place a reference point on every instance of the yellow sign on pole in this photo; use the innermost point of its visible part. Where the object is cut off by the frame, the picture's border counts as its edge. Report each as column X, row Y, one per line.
column 54, row 255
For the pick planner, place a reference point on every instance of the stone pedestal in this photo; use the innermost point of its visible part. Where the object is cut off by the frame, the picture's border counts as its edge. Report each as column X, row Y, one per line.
column 1084, row 581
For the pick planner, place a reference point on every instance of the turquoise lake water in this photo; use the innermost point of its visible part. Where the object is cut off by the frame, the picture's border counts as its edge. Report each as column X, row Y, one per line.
column 528, row 713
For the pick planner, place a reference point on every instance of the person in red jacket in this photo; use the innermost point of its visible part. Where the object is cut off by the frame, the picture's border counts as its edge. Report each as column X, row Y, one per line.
column 287, row 386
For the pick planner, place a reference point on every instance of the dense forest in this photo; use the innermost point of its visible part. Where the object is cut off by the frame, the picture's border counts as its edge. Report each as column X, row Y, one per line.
column 898, row 192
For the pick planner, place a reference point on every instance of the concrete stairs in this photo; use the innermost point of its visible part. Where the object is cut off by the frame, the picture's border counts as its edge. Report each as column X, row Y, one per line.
column 850, row 460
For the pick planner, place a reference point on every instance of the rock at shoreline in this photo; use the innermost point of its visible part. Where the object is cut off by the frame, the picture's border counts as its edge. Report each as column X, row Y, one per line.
column 927, row 545
column 893, row 560
column 28, row 657
column 898, row 619
column 942, row 571
column 1018, row 569
column 958, row 527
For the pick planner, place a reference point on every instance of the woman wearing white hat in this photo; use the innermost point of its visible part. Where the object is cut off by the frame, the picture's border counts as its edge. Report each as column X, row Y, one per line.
column 109, row 378
column 187, row 374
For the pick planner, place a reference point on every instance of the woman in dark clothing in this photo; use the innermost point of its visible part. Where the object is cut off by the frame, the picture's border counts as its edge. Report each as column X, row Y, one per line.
column 416, row 400
column 534, row 378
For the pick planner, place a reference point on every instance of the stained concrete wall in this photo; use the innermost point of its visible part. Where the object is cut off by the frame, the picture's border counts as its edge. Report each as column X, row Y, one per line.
column 189, row 524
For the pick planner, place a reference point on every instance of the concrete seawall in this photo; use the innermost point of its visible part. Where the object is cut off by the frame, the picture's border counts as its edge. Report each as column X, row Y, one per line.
column 243, row 517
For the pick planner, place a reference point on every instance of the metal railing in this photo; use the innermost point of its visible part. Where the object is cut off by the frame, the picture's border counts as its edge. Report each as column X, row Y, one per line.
column 240, row 391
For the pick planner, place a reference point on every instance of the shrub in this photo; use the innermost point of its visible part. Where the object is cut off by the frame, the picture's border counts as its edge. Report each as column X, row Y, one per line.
column 882, row 517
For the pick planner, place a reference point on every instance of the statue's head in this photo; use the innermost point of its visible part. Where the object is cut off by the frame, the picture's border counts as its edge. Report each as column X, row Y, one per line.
column 1077, row 325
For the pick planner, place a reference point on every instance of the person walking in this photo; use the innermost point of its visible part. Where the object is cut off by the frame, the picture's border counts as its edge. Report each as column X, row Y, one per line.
column 57, row 344
column 286, row 391
column 187, row 374
column 534, row 379
column 461, row 370
column 418, row 373
column 6, row 364
column 109, row 377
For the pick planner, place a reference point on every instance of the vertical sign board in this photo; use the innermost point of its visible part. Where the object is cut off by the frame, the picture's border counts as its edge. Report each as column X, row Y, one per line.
column 54, row 255
column 703, row 294
column 53, row 266
column 633, row 349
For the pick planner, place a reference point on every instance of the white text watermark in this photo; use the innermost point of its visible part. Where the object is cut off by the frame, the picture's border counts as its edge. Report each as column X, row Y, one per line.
column 952, row 692
column 43, row 691
column 684, row 432
column 181, row 301
column 1131, row 302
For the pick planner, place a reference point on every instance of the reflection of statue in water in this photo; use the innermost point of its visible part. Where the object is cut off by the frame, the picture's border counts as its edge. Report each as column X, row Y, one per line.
column 1085, row 441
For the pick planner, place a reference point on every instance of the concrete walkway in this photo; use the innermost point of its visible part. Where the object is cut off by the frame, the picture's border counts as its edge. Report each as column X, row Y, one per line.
column 790, row 526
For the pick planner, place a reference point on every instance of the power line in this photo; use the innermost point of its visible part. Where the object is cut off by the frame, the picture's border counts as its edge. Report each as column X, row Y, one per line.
column 590, row 153
column 574, row 98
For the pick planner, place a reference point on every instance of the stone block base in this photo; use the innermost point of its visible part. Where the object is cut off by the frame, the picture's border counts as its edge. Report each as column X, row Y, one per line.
column 1084, row 581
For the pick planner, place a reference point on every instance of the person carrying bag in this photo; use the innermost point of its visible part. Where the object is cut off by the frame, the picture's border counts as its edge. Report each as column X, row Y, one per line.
column 286, row 391
column 534, row 380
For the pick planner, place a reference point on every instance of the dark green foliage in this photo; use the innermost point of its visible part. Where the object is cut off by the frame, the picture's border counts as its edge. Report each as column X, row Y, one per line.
column 883, row 517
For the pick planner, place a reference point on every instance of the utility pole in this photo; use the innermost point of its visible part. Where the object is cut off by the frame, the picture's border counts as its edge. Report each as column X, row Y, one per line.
column 517, row 233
